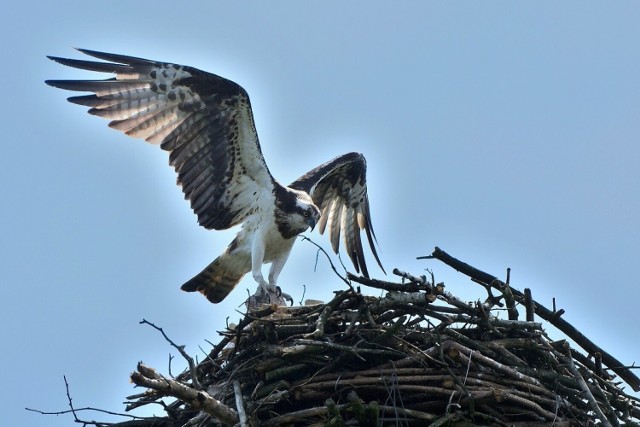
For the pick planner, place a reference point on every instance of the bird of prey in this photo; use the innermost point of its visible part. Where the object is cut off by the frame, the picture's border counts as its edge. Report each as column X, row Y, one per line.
column 206, row 124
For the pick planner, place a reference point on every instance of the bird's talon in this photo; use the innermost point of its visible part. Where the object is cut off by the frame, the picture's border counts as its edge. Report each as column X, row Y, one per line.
column 287, row 297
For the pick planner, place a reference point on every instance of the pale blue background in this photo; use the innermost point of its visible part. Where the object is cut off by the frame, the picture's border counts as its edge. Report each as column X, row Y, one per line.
column 504, row 132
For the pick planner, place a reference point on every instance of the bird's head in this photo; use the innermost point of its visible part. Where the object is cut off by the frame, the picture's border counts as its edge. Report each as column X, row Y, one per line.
column 307, row 211
column 295, row 212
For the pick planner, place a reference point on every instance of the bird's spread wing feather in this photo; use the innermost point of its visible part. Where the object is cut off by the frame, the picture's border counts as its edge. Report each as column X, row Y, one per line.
column 339, row 189
column 203, row 120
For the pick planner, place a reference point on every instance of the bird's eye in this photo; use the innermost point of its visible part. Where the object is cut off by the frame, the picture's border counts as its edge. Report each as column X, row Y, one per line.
column 306, row 213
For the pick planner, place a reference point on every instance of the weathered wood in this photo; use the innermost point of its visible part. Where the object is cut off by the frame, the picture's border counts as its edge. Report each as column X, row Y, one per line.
column 417, row 355
column 550, row 316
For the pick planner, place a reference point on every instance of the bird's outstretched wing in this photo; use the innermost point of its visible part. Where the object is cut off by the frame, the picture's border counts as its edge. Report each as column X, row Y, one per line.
column 339, row 189
column 203, row 120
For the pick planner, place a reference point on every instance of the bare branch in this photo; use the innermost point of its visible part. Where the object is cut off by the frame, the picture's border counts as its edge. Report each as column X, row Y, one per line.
column 418, row 354
column 180, row 348
column 74, row 411
column 333, row 267
column 552, row 317
column 240, row 404
column 198, row 399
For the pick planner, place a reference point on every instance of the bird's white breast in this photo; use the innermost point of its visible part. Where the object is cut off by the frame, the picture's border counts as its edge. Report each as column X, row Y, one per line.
column 262, row 226
column 275, row 245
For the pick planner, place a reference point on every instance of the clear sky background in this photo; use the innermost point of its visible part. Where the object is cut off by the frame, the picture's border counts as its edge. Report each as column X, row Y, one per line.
column 505, row 133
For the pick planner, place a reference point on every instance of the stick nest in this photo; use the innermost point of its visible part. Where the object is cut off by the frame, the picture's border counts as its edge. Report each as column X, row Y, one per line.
column 416, row 356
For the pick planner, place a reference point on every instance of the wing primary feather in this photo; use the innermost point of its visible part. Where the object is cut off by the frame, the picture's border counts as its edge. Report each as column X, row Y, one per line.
column 322, row 224
column 346, row 227
column 100, row 87
column 360, row 255
column 371, row 238
column 122, row 59
column 93, row 101
column 334, row 224
column 142, row 121
column 338, row 188
column 130, row 108
column 101, row 67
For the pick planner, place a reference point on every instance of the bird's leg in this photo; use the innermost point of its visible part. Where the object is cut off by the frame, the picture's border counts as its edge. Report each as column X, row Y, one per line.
column 257, row 257
column 274, row 272
column 276, row 268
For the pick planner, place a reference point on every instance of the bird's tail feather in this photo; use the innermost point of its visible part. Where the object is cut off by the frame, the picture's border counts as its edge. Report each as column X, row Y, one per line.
column 216, row 280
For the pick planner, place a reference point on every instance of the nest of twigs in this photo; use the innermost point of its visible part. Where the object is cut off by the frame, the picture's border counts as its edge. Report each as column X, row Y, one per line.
column 415, row 356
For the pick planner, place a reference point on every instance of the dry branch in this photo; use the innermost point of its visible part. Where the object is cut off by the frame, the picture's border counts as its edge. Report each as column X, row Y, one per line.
column 548, row 315
column 416, row 356
column 344, row 362
column 149, row 378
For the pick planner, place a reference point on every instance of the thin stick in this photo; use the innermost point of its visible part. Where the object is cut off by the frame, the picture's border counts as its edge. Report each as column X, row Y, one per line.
column 180, row 348
column 240, row 404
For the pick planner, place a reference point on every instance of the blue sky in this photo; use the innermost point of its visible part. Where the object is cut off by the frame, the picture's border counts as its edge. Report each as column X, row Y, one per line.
column 505, row 133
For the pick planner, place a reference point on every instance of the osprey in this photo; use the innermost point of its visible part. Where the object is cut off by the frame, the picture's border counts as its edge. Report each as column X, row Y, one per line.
column 206, row 124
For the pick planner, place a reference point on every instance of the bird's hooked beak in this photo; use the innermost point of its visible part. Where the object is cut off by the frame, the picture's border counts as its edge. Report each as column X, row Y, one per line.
column 312, row 222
